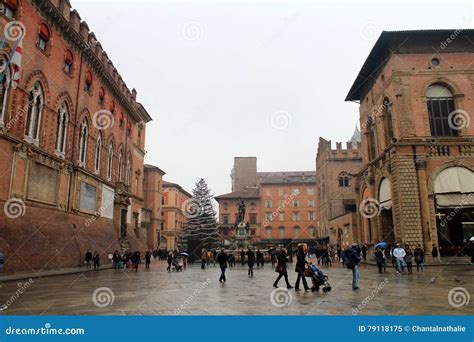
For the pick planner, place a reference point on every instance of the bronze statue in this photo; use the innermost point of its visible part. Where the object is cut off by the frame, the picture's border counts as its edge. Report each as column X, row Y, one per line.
column 241, row 211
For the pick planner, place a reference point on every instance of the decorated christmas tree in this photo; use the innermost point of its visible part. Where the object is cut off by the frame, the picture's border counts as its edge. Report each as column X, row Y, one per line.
column 201, row 229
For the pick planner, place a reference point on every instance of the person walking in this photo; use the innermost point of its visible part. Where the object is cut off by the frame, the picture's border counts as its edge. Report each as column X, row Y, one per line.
column 250, row 261
column 273, row 257
column 380, row 258
column 281, row 269
column 409, row 259
column 351, row 259
column 259, row 255
column 147, row 259
column 300, row 268
column 222, row 259
column 136, row 259
column 242, row 257
column 364, row 252
column 169, row 260
column 88, row 259
column 96, row 260
column 399, row 254
column 419, row 258
column 203, row 258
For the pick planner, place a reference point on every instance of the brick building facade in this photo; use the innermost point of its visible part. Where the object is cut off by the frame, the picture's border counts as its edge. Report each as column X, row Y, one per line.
column 416, row 92
column 72, row 139
column 154, row 198
column 335, row 171
column 280, row 206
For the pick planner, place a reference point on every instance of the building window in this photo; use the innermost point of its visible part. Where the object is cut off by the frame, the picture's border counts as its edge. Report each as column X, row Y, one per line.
column 120, row 166
column 311, row 203
column 252, row 206
column 280, row 192
column 8, row 8
column 268, row 232
column 372, row 138
column 296, row 216
column 61, row 130
column 310, row 191
column 4, row 86
column 128, row 169
column 84, row 133
column 225, row 219
column 388, row 120
column 312, row 232
column 88, row 83
column 226, row 206
column 268, row 204
column 281, row 217
column 35, row 111
column 311, row 216
column 129, row 129
column 281, row 232
column 110, row 161
column 296, row 232
column 296, row 204
column 98, row 153
column 267, row 192
column 68, row 61
column 440, row 103
column 43, row 37
column 343, row 181
column 253, row 218
column 268, row 217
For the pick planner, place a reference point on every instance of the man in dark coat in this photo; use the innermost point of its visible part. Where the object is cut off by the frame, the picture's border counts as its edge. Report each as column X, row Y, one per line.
column 250, row 261
column 88, row 258
column 222, row 260
column 300, row 268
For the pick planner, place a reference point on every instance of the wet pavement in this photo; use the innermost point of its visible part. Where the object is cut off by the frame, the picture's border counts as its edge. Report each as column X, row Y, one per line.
column 439, row 290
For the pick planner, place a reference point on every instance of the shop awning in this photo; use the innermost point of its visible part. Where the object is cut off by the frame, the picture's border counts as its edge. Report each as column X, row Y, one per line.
column 385, row 194
column 454, row 187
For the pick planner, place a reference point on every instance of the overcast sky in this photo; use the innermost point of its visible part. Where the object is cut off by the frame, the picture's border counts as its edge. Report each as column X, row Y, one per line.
column 248, row 78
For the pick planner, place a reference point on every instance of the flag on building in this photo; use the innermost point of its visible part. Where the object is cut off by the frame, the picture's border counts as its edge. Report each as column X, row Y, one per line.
column 16, row 64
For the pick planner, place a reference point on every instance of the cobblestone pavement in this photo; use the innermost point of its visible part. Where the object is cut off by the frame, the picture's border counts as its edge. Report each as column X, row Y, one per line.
column 439, row 291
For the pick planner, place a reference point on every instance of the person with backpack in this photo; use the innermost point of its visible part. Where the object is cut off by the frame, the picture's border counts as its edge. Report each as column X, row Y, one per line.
column 351, row 259
column 419, row 258
column 222, row 259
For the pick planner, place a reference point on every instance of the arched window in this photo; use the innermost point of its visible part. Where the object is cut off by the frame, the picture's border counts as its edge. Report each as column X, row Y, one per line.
column 61, row 130
column 440, row 103
column 43, row 37
column 120, row 166
column 8, row 8
column 84, row 134
column 128, row 169
column 98, row 153
column 110, row 161
column 68, row 61
column 343, row 180
column 372, row 138
column 387, row 105
column 4, row 86
column 89, row 78
column 35, row 111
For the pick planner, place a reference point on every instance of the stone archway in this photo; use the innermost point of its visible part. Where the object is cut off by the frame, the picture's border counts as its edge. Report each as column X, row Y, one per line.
column 386, row 215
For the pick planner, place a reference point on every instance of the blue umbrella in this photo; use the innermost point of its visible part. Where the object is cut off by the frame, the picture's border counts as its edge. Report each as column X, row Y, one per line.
column 381, row 245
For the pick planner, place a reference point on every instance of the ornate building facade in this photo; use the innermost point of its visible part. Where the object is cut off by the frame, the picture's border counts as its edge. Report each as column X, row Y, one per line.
column 335, row 171
column 280, row 206
column 415, row 93
column 72, row 139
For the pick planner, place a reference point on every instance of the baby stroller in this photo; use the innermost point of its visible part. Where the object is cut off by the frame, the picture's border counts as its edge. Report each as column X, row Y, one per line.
column 318, row 278
column 177, row 264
